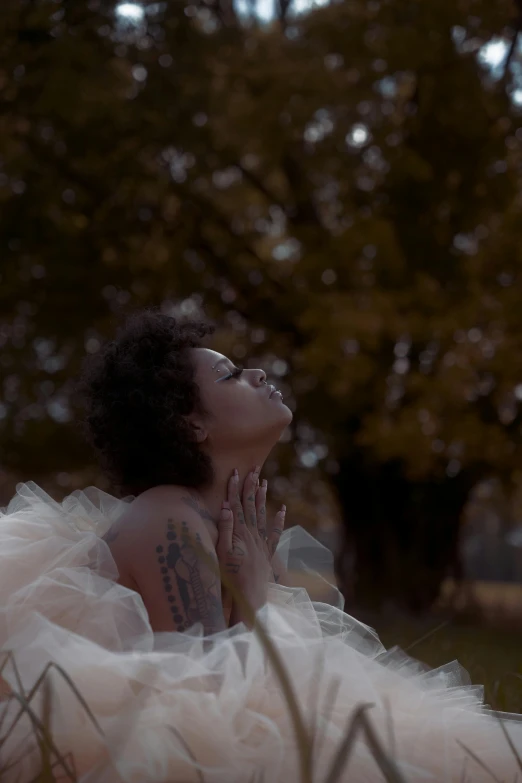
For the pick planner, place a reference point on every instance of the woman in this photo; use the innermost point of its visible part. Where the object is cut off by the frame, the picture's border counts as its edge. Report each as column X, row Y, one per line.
column 122, row 596
column 175, row 441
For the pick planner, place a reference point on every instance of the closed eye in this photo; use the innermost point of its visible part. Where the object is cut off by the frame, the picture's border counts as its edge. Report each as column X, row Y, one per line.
column 236, row 372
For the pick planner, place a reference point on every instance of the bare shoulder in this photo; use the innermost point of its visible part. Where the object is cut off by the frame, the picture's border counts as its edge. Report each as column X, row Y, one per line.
column 154, row 507
column 165, row 548
column 181, row 497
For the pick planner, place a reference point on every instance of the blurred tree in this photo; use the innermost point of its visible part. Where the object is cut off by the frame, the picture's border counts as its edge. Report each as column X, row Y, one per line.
column 340, row 188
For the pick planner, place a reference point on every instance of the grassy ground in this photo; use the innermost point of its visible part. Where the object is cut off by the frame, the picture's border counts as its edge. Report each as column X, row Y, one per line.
column 489, row 647
column 492, row 657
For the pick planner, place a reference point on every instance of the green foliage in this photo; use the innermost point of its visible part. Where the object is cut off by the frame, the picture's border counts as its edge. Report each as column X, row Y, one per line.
column 341, row 188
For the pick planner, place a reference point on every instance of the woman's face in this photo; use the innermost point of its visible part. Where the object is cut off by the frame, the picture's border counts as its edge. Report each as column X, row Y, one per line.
column 242, row 412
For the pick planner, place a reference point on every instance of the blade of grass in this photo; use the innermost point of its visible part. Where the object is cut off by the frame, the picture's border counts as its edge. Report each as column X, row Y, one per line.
column 302, row 738
column 52, row 665
column 187, row 747
column 359, row 720
column 347, row 744
column 427, row 635
column 479, row 762
column 4, row 770
column 70, row 759
column 389, row 723
column 509, row 742
column 14, row 758
column 70, row 682
column 387, row 764
column 330, row 699
column 40, row 731
column 46, row 720
column 4, row 705
column 9, row 657
column 46, row 735
column 314, row 700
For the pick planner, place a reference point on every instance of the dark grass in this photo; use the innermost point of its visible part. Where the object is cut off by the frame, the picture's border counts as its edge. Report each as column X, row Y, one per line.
column 492, row 657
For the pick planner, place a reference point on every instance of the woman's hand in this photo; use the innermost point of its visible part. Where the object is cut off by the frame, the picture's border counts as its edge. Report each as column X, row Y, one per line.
column 274, row 534
column 245, row 546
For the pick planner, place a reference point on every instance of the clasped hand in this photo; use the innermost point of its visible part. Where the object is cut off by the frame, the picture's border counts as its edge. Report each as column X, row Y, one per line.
column 246, row 543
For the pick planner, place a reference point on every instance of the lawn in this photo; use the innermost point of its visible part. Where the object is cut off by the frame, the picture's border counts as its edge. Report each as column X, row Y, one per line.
column 492, row 657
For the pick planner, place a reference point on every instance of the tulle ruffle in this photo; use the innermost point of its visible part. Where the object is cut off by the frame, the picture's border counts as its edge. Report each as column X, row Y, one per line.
column 183, row 707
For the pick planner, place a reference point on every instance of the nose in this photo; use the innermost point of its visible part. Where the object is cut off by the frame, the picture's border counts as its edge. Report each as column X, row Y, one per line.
column 262, row 377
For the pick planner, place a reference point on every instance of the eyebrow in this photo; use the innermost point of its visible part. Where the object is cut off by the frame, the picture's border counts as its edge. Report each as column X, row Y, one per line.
column 224, row 359
column 219, row 361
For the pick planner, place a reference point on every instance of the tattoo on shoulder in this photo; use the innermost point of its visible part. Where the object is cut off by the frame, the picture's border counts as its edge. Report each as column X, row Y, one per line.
column 195, row 504
column 193, row 593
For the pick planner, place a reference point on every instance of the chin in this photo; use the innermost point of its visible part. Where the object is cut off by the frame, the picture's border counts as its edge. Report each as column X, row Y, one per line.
column 287, row 415
column 281, row 421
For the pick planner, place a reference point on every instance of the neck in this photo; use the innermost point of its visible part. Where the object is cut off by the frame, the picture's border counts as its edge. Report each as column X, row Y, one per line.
column 214, row 495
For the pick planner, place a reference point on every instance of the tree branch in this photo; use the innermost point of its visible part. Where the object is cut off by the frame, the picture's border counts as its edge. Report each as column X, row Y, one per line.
column 283, row 7
column 514, row 42
column 256, row 308
column 304, row 211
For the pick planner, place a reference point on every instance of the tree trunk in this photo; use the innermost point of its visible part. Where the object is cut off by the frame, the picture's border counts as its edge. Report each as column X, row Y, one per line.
column 402, row 536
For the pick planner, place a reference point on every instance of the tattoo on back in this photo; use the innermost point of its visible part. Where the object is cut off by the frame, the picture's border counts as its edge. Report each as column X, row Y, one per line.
column 192, row 592
column 194, row 503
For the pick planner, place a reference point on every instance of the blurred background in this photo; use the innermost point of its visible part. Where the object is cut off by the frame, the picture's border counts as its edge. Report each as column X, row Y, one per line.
column 338, row 185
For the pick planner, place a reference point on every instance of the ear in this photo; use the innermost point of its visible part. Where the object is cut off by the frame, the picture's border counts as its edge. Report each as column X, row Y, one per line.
column 199, row 431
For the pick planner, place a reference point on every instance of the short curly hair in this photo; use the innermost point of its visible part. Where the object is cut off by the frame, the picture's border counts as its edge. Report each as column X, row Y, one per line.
column 137, row 391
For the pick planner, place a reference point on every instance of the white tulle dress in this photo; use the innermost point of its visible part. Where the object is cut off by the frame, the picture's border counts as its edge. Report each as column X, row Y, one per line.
column 179, row 708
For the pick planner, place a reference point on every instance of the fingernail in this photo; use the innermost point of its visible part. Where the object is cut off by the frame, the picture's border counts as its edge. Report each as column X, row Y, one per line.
column 236, row 475
column 225, row 504
column 257, row 469
column 283, row 509
column 264, row 484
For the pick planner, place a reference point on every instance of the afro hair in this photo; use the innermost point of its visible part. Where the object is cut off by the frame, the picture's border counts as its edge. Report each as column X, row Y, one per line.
column 137, row 392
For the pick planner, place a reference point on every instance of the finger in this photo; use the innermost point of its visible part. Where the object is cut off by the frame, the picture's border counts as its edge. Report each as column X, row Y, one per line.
column 277, row 530
column 225, row 528
column 261, row 508
column 235, row 501
column 231, row 488
column 249, row 498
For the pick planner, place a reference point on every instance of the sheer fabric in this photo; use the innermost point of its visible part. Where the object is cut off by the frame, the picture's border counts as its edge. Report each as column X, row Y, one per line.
column 178, row 707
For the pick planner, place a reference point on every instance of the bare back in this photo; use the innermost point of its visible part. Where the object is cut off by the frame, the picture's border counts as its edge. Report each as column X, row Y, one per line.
column 157, row 548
